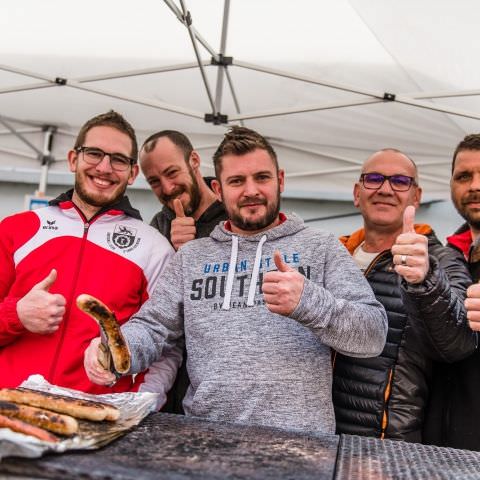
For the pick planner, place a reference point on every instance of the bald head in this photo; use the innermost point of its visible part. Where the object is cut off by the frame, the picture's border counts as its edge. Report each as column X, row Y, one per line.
column 382, row 202
column 391, row 157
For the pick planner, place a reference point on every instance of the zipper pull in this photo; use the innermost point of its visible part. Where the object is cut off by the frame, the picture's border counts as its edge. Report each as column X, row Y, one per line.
column 86, row 226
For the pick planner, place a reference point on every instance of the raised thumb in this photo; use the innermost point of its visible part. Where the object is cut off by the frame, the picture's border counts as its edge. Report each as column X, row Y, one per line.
column 409, row 219
column 178, row 208
column 281, row 265
column 47, row 282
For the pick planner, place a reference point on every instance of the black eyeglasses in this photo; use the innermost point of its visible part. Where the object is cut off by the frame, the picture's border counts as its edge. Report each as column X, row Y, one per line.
column 399, row 183
column 94, row 155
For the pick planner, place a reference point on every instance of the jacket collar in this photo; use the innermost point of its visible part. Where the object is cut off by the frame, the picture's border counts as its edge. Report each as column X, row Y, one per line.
column 461, row 239
column 64, row 200
column 351, row 242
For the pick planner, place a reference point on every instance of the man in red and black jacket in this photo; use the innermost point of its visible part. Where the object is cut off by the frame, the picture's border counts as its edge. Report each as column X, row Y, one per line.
column 453, row 415
column 88, row 240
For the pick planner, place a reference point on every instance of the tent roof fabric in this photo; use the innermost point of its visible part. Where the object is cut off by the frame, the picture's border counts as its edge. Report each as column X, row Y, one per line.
column 328, row 82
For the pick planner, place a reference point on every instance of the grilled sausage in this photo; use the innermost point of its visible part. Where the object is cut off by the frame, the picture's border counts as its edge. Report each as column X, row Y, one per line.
column 27, row 429
column 76, row 407
column 55, row 422
column 105, row 318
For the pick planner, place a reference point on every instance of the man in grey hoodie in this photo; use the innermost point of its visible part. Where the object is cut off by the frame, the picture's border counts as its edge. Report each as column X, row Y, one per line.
column 260, row 303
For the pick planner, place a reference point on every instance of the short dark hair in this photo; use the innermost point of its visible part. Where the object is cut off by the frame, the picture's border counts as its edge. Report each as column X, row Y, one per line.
column 470, row 142
column 239, row 141
column 109, row 119
column 177, row 138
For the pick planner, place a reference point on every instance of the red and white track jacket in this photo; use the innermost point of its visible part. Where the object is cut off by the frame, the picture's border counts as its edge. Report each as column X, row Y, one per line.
column 114, row 257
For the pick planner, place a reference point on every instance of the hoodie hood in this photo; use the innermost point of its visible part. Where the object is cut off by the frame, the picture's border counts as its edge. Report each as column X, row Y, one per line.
column 292, row 225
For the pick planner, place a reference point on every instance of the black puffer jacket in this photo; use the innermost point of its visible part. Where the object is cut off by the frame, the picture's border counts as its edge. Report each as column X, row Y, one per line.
column 385, row 396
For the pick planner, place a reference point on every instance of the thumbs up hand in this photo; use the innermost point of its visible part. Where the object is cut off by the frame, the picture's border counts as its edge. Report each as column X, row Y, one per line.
column 472, row 304
column 39, row 310
column 283, row 288
column 410, row 252
column 183, row 228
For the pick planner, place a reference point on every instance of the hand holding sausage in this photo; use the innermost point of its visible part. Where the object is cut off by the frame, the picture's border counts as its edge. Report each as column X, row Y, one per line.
column 95, row 372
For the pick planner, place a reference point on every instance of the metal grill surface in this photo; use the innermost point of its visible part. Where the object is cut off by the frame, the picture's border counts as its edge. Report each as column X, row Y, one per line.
column 372, row 459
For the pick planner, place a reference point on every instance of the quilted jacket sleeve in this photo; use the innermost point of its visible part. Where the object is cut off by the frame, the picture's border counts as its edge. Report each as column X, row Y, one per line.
column 439, row 303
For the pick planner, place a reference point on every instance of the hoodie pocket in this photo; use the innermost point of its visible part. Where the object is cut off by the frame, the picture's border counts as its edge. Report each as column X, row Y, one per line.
column 269, row 403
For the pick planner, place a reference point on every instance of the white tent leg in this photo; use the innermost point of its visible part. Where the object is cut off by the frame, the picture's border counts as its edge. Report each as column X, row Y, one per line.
column 46, row 159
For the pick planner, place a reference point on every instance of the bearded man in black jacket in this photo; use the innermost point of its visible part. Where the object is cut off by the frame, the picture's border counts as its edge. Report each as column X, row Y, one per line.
column 190, row 210
column 453, row 418
column 422, row 286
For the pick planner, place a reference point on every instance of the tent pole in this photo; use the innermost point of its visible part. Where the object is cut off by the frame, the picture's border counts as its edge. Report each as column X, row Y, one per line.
column 46, row 159
column 21, row 130
column 137, row 100
column 188, row 22
column 310, row 108
column 18, row 153
column 181, row 17
column 307, row 79
column 222, row 68
column 234, row 95
column 105, row 76
column 143, row 71
column 19, row 136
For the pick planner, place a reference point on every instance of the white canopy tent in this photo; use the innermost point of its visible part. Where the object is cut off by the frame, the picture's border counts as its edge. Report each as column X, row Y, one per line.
column 327, row 82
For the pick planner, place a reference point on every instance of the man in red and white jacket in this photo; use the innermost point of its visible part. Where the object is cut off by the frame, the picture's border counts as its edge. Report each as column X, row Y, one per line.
column 88, row 240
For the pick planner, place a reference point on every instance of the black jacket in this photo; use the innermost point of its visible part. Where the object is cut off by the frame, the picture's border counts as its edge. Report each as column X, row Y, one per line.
column 453, row 414
column 386, row 396
column 162, row 221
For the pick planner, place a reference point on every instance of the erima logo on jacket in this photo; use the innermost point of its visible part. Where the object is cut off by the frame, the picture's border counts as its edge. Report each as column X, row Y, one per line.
column 50, row 225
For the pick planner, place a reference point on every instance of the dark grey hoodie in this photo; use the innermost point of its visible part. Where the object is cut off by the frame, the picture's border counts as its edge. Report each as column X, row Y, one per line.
column 247, row 364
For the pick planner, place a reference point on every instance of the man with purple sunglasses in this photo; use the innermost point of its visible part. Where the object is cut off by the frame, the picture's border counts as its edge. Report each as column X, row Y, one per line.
column 422, row 286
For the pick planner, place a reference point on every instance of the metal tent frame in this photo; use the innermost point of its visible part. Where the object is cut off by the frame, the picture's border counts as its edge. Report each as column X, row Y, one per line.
column 223, row 64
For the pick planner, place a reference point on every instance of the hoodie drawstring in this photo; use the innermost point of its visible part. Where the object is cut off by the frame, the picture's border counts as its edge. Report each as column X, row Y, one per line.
column 256, row 268
column 231, row 273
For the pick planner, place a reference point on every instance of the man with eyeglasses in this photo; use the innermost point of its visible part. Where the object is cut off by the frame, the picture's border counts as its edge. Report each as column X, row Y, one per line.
column 88, row 240
column 421, row 284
